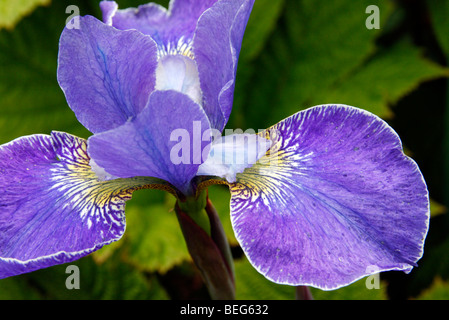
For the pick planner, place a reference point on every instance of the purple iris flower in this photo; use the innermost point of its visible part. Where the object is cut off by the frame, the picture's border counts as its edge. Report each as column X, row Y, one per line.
column 322, row 198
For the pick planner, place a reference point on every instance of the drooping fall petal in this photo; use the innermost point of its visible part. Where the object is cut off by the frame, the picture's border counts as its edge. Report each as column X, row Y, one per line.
column 53, row 209
column 334, row 200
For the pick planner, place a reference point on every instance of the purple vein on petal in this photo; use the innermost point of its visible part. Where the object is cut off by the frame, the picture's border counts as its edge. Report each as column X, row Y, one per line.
column 334, row 199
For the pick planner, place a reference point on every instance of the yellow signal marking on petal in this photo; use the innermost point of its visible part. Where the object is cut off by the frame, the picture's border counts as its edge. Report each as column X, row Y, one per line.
column 182, row 47
column 75, row 181
column 271, row 178
column 209, row 182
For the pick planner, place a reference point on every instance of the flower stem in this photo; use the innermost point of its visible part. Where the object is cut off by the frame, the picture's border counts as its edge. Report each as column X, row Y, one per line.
column 208, row 245
column 303, row 293
column 219, row 237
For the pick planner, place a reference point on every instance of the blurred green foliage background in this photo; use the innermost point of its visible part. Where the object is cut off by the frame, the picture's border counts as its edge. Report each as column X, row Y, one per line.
column 296, row 54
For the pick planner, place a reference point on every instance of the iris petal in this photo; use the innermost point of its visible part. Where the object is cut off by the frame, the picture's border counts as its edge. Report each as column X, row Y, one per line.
column 53, row 209
column 335, row 200
column 153, row 144
column 106, row 71
column 179, row 73
column 164, row 26
column 216, row 47
column 208, row 31
column 232, row 154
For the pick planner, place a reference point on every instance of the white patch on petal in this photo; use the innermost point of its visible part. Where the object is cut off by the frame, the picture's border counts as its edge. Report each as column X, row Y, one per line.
column 179, row 73
column 101, row 174
column 232, row 154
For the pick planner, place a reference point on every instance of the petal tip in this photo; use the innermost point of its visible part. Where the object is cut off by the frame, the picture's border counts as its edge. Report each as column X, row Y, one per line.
column 108, row 8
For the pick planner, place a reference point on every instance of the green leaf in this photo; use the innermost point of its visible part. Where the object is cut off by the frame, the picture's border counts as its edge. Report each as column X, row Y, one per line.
column 439, row 10
column 438, row 291
column 435, row 261
column 12, row 11
column 32, row 101
column 17, row 288
column 322, row 54
column 384, row 78
column 437, row 208
column 221, row 197
column 261, row 24
column 111, row 280
column 251, row 285
column 355, row 291
column 312, row 47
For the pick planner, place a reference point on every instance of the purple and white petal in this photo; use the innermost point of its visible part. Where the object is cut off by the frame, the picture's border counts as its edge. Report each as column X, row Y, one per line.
column 108, row 9
column 334, row 200
column 232, row 154
column 179, row 73
column 105, row 71
column 167, row 27
column 154, row 145
column 53, row 209
column 209, row 32
column 216, row 47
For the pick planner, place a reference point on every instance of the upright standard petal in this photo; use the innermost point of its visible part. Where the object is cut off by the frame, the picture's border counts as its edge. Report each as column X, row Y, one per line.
column 53, row 209
column 167, row 27
column 106, row 71
column 335, row 200
column 154, row 145
column 216, row 47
